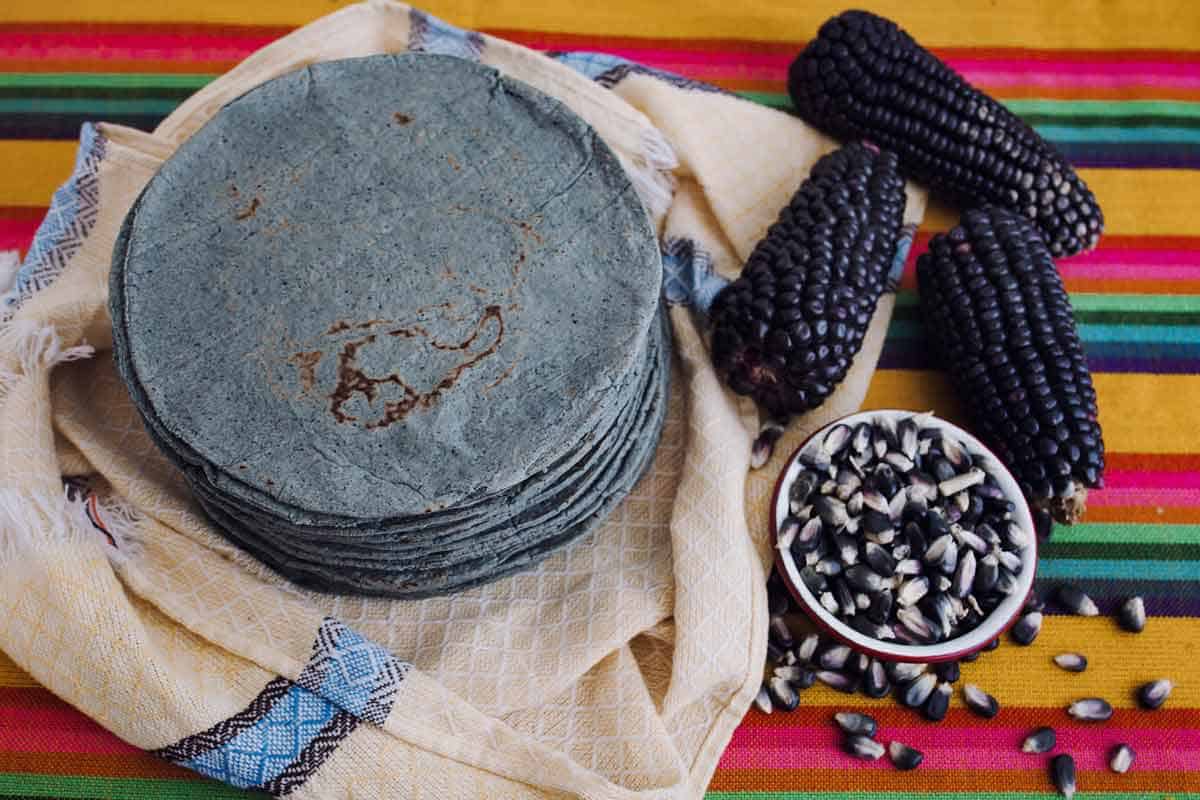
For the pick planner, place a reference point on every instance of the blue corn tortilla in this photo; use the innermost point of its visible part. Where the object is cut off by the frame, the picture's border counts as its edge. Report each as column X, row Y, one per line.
column 396, row 357
column 367, row 315
column 486, row 557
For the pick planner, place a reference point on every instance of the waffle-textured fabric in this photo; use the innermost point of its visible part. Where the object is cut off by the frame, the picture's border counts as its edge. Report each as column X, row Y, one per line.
column 1113, row 85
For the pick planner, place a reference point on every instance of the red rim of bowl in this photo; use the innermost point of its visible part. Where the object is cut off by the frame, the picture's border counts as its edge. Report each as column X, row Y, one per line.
column 818, row 619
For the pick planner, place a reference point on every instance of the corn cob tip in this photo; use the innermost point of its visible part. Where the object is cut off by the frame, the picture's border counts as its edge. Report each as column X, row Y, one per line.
column 1067, row 510
column 997, row 313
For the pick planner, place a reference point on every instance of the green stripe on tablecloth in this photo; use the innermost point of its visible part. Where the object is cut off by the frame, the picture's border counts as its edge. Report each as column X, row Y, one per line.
column 1157, row 319
column 1168, row 551
column 772, row 99
column 1110, row 532
column 99, row 106
column 1106, row 569
column 1135, row 331
column 1136, row 118
column 1109, row 110
column 70, row 787
column 1115, row 133
column 1106, row 111
column 33, row 81
column 1095, row 303
column 1068, row 114
column 1153, row 334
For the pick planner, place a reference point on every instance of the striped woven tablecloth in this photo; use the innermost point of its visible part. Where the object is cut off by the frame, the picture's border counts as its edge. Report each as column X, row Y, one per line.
column 1115, row 85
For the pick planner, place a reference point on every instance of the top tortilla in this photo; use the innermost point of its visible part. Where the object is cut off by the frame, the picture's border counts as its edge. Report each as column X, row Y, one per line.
column 386, row 286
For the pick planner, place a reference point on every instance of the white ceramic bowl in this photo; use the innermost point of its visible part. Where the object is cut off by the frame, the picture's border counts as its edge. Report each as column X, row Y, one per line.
column 952, row 649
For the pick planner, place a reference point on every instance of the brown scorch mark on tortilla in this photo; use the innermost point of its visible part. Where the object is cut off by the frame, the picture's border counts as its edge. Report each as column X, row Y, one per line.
column 306, row 364
column 250, row 210
column 353, row 380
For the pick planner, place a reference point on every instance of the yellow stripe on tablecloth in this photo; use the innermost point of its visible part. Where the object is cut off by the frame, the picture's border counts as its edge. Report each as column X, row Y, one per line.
column 12, row 676
column 1139, row 413
column 1030, row 23
column 1146, row 202
column 1136, row 202
column 33, row 169
column 1118, row 663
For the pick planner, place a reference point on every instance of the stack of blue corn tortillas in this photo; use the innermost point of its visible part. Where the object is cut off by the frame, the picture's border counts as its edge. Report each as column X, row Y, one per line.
column 397, row 321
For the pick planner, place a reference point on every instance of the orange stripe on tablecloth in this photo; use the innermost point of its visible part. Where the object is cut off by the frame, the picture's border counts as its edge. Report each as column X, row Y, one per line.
column 1127, row 286
column 891, row 715
column 135, row 765
column 1167, row 515
column 1154, row 462
column 1101, row 285
column 1135, row 242
column 115, row 65
column 882, row 776
column 13, row 678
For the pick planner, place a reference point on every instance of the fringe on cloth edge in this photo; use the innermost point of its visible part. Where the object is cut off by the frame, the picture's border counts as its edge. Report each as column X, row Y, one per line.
column 33, row 520
column 33, row 346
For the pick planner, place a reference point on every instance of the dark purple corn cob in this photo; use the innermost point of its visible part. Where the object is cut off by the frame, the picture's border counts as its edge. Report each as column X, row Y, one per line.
column 998, row 316
column 865, row 78
column 786, row 330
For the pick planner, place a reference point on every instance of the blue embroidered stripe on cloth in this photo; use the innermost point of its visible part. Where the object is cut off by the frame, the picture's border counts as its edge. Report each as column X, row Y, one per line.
column 289, row 729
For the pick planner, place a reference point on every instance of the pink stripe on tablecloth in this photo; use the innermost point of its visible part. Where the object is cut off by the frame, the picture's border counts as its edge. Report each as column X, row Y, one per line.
column 718, row 64
column 713, row 64
column 962, row 748
column 1107, row 264
column 1051, row 72
column 717, row 74
column 16, row 234
column 1128, row 487
column 1120, row 271
column 1143, row 497
column 58, row 740
column 197, row 46
column 767, row 66
column 1002, row 80
column 1135, row 258
column 53, row 728
column 728, row 60
column 1129, row 478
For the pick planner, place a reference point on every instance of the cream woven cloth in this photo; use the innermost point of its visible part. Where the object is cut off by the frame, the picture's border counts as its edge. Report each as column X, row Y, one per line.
column 618, row 668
